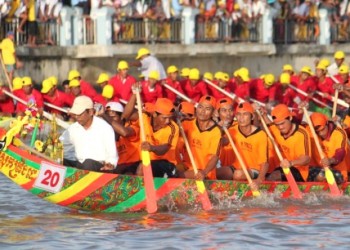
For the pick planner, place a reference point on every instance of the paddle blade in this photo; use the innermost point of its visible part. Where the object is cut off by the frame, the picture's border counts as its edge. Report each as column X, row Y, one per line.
column 333, row 187
column 256, row 193
column 203, row 195
column 151, row 198
column 293, row 185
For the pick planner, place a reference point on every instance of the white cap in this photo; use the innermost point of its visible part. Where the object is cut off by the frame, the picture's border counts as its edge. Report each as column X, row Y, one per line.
column 115, row 106
column 80, row 104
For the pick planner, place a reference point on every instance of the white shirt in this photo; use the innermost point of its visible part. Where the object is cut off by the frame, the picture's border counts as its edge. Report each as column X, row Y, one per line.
column 332, row 69
column 150, row 63
column 96, row 143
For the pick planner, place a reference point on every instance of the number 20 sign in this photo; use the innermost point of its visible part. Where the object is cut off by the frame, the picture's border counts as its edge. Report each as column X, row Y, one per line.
column 51, row 177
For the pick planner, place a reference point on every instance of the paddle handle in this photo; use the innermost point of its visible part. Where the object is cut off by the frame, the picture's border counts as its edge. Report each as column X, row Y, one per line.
column 55, row 107
column 336, row 95
column 228, row 94
column 139, row 111
column 175, row 91
column 305, row 94
column 187, row 145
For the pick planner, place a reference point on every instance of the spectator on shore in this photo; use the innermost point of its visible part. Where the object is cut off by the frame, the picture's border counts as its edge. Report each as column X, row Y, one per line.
column 8, row 55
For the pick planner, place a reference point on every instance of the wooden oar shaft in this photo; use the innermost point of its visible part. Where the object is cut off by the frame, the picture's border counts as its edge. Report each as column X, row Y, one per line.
column 60, row 122
column 228, row 94
column 339, row 101
column 175, row 91
column 336, row 95
column 305, row 94
column 55, row 107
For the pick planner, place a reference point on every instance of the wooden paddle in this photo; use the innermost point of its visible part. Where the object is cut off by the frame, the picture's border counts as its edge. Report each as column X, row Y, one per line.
column 305, row 94
column 289, row 176
column 56, row 107
column 151, row 197
column 333, row 187
column 332, row 98
column 336, row 95
column 203, row 194
column 60, row 122
column 228, row 94
column 241, row 162
column 178, row 93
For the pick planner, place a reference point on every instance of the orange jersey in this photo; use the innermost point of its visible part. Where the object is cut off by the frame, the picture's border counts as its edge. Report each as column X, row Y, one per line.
column 253, row 148
column 203, row 144
column 227, row 156
column 295, row 146
column 336, row 140
column 167, row 135
column 129, row 147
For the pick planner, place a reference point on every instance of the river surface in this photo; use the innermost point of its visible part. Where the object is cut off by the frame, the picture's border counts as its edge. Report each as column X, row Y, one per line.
column 26, row 222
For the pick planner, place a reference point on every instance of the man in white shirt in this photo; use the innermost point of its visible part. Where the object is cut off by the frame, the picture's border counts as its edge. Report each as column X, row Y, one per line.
column 147, row 63
column 92, row 137
column 339, row 58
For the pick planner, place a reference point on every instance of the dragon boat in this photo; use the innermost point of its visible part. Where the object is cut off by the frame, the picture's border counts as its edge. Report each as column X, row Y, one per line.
column 107, row 192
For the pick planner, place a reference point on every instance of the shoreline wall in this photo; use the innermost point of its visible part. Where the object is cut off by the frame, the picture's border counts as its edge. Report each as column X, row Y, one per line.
column 91, row 60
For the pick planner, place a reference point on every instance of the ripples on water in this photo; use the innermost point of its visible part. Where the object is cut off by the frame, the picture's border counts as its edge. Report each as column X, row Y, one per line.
column 27, row 222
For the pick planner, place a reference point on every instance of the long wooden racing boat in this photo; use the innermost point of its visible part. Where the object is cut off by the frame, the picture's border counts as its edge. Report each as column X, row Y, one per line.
column 105, row 192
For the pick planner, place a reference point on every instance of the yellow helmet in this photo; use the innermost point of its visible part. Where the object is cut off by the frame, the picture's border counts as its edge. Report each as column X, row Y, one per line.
column 343, row 69
column 74, row 83
column 185, row 72
column 269, row 79
column 103, row 77
column 73, row 74
column 26, row 81
column 172, row 69
column 288, row 67
column 217, row 75
column 208, row 75
column 224, row 76
column 17, row 83
column 108, row 91
column 154, row 75
column 194, row 74
column 339, row 55
column 321, row 66
column 244, row 74
column 122, row 65
column 54, row 80
column 307, row 70
column 325, row 62
column 47, row 86
column 285, row 78
column 142, row 52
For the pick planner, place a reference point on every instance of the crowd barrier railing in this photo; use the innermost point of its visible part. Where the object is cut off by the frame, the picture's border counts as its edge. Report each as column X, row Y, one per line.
column 287, row 31
column 225, row 30
column 144, row 30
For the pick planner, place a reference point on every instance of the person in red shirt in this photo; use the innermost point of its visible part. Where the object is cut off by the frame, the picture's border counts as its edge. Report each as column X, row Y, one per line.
column 286, row 94
column 242, row 83
column 86, row 88
column 343, row 74
column 287, row 68
column 151, row 89
column 7, row 106
column 265, row 90
column 108, row 94
column 184, row 73
column 194, row 87
column 56, row 97
column 103, row 80
column 77, row 90
column 31, row 96
column 222, row 81
column 122, row 81
column 172, row 81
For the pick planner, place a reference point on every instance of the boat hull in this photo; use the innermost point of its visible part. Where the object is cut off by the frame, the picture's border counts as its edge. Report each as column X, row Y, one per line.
column 105, row 192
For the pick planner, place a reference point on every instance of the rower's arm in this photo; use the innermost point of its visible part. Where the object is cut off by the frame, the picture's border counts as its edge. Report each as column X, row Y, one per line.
column 211, row 164
column 160, row 149
column 263, row 171
column 129, row 108
column 301, row 161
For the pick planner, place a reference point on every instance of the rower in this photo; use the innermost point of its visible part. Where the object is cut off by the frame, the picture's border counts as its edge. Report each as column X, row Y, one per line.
column 77, row 90
column 122, row 81
column 127, row 138
column 151, row 88
column 54, row 96
column 252, row 144
column 294, row 143
column 195, row 87
column 172, row 81
column 204, row 138
column 334, row 144
column 162, row 134
column 339, row 58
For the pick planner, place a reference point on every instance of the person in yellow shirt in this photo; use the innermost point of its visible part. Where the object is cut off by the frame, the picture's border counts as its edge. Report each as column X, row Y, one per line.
column 33, row 29
column 8, row 54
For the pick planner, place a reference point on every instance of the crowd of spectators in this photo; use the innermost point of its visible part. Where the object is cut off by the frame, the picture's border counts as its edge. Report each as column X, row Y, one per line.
column 238, row 20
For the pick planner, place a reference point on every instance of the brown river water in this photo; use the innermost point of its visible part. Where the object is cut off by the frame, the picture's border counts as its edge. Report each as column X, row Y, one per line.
column 26, row 222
